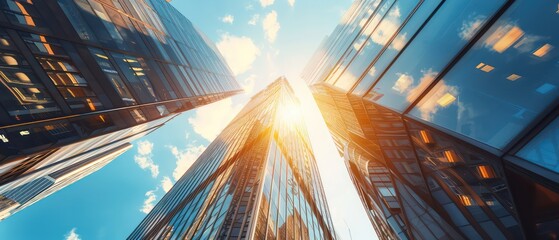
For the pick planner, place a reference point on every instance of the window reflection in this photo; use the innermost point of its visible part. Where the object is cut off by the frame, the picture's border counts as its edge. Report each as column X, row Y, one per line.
column 542, row 150
column 77, row 20
column 22, row 94
column 112, row 74
column 22, row 12
column 502, row 84
column 469, row 185
column 378, row 37
column 450, row 29
column 62, row 72
column 134, row 69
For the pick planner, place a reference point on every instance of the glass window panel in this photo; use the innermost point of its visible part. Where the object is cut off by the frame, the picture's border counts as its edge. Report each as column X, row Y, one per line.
column 107, row 22
column 21, row 93
column 71, row 84
column 366, row 27
column 543, row 150
column 455, row 23
column 42, row 45
column 396, row 45
column 107, row 67
column 77, row 20
column 136, row 77
column 508, row 78
column 50, row 64
column 377, row 40
column 22, row 12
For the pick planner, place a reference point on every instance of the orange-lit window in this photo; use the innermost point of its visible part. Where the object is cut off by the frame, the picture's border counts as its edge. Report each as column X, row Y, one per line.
column 543, row 50
column 465, row 200
column 450, row 156
column 425, row 136
column 486, row 171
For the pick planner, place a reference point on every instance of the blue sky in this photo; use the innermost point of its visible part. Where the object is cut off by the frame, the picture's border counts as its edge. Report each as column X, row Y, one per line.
column 261, row 40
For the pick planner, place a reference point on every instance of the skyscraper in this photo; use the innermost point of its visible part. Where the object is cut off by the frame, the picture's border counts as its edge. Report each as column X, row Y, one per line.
column 80, row 79
column 257, row 180
column 446, row 115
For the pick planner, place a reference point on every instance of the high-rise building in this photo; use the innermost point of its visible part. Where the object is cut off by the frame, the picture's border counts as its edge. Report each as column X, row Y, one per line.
column 446, row 113
column 257, row 180
column 80, row 79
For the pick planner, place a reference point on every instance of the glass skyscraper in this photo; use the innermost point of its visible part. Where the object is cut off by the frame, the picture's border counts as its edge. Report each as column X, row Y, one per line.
column 257, row 180
column 446, row 115
column 80, row 79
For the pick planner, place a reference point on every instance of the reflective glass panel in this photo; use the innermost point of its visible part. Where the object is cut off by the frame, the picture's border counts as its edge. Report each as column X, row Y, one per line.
column 508, row 78
column 450, row 29
column 107, row 67
column 397, row 44
column 543, row 149
column 77, row 20
column 379, row 36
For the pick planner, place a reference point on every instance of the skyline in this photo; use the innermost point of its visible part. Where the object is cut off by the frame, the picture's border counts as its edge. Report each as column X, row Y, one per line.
column 257, row 180
column 163, row 154
column 279, row 119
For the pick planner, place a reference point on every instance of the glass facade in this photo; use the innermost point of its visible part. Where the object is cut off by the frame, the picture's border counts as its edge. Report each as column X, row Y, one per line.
column 446, row 115
column 93, row 71
column 257, row 180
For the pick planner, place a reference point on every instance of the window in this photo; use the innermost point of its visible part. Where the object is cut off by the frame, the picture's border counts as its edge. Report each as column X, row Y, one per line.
column 450, row 29
column 42, row 45
column 77, row 20
column 138, row 115
column 22, row 12
column 543, row 149
column 485, row 172
column 134, row 69
column 21, row 92
column 107, row 67
column 403, row 37
column 107, row 22
column 62, row 72
column 510, row 76
column 378, row 38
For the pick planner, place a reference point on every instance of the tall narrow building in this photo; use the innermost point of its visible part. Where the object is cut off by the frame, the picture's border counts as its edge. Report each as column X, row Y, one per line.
column 257, row 180
column 80, row 79
column 446, row 113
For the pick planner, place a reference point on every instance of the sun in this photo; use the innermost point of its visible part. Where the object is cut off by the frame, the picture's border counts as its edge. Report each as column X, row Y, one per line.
column 289, row 113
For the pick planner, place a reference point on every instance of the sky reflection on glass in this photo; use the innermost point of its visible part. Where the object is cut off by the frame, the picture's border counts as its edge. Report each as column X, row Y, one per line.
column 504, row 82
column 441, row 39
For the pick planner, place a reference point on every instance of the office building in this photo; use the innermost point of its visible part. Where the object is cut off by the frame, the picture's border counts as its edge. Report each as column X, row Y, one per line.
column 80, row 79
column 257, row 180
column 446, row 115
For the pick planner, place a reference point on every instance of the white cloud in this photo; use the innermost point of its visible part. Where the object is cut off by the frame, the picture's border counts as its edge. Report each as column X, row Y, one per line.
column 399, row 41
column 372, row 71
column 144, row 157
column 248, row 84
column 149, row 203
column 430, row 106
column 426, row 79
column 291, row 2
column 403, row 83
column 185, row 158
column 166, row 184
column 265, row 3
column 72, row 235
column 145, row 147
column 395, row 12
column 271, row 26
column 228, row 19
column 239, row 52
column 254, row 19
column 469, row 28
column 211, row 119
